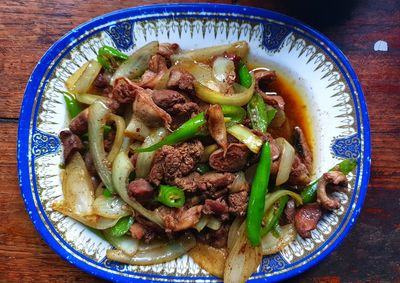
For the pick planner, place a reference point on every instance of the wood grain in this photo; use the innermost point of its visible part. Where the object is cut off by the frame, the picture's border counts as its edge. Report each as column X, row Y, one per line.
column 368, row 254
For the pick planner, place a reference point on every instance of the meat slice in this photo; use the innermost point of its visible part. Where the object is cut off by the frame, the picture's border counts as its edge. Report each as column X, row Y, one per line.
column 306, row 219
column 217, row 207
column 233, row 160
column 166, row 98
column 157, row 69
column 290, row 211
column 331, row 181
column 238, row 203
column 141, row 190
column 102, row 80
column 147, row 111
column 79, row 124
column 218, row 239
column 124, row 90
column 181, row 80
column 168, row 49
column 137, row 231
column 188, row 183
column 263, row 79
column 72, row 143
column 172, row 162
column 299, row 175
column 211, row 182
column 181, row 218
column 151, row 230
column 216, row 126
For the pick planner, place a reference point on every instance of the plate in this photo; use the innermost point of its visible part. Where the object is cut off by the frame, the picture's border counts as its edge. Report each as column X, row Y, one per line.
column 315, row 65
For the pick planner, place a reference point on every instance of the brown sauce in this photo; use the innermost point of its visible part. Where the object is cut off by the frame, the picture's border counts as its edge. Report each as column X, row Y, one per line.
column 296, row 109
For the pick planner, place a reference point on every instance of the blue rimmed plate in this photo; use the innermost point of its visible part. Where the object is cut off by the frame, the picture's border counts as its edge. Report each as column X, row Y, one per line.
column 317, row 68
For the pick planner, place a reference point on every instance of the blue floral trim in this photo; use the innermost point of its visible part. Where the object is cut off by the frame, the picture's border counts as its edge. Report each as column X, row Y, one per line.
column 347, row 147
column 44, row 143
column 274, row 35
column 122, row 34
column 273, row 263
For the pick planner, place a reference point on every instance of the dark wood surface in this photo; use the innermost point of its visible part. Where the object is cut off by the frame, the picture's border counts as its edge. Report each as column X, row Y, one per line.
column 370, row 253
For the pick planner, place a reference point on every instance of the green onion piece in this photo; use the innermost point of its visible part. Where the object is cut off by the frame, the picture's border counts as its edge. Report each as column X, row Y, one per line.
column 73, row 106
column 122, row 226
column 245, row 77
column 171, row 196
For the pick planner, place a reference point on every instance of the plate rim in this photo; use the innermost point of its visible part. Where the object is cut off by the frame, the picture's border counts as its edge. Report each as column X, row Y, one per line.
column 42, row 67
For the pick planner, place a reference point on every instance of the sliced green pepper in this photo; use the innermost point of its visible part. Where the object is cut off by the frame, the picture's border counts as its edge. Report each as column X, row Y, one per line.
column 245, row 77
column 188, row 130
column 122, row 226
column 171, row 196
column 202, row 168
column 257, row 112
column 73, row 106
column 309, row 194
column 274, row 216
column 107, row 193
column 191, row 127
column 108, row 53
column 259, row 188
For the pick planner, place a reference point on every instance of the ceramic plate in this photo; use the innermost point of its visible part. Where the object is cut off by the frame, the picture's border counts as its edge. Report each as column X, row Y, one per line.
column 315, row 66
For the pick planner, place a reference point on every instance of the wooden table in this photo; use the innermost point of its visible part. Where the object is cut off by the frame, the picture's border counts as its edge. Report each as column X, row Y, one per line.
column 371, row 250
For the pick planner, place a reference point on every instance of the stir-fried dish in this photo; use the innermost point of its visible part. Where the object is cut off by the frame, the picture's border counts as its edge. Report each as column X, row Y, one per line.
column 171, row 152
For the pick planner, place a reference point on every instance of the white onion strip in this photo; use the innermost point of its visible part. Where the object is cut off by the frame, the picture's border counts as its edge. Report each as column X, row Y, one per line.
column 286, row 161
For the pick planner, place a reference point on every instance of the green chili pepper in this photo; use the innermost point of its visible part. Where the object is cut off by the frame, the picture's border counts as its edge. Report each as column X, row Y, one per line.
column 73, row 105
column 171, row 196
column 191, row 127
column 275, row 231
column 257, row 112
column 107, row 193
column 309, row 194
column 235, row 113
column 274, row 216
column 259, row 188
column 245, row 77
column 188, row 130
column 122, row 226
column 202, row 168
column 108, row 53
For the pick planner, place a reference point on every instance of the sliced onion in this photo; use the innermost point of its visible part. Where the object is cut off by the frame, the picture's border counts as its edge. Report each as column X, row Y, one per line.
column 145, row 159
column 163, row 82
column 246, row 136
column 207, row 152
column 286, row 161
column 213, row 223
column 203, row 74
column 155, row 244
column 110, row 207
column 83, row 78
column 121, row 169
column 279, row 118
column 241, row 96
column 243, row 259
column 271, row 245
column 238, row 184
column 89, row 99
column 119, row 135
column 240, row 48
column 77, row 187
column 98, row 113
column 224, row 70
column 233, row 231
column 163, row 254
column 93, row 221
column 136, row 129
column 209, row 258
column 126, row 244
column 137, row 63
column 202, row 223
column 271, row 198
